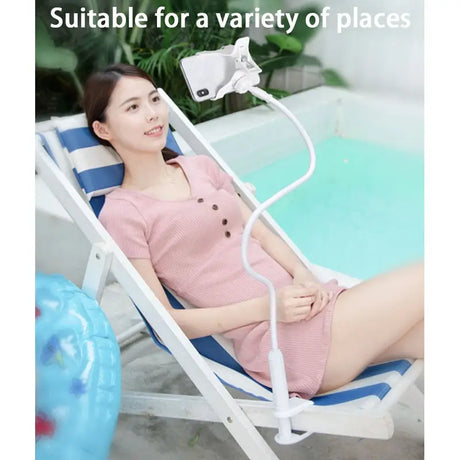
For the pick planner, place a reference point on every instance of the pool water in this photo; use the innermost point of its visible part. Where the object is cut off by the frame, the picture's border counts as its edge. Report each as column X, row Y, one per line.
column 362, row 211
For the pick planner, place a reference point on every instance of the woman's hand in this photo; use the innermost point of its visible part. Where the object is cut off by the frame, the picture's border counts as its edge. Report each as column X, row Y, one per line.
column 303, row 276
column 322, row 297
column 294, row 302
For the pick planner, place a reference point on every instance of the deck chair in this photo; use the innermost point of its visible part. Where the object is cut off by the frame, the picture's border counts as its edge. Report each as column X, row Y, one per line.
column 79, row 172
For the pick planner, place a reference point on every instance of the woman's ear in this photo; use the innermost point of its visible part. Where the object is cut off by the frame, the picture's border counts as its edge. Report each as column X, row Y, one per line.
column 101, row 130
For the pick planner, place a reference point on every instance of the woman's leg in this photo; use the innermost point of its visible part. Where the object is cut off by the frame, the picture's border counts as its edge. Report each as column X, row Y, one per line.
column 409, row 346
column 370, row 319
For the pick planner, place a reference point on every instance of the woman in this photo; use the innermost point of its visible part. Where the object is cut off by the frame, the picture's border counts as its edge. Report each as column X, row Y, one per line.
column 180, row 222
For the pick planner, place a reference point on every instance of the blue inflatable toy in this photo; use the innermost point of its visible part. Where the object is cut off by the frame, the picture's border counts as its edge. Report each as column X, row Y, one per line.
column 78, row 373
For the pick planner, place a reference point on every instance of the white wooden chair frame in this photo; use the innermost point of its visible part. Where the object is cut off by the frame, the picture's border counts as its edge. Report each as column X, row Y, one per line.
column 240, row 416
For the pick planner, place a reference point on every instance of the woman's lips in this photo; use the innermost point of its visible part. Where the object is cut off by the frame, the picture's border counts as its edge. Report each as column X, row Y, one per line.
column 154, row 132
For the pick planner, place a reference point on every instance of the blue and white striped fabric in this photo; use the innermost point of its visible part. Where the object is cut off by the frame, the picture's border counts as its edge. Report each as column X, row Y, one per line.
column 369, row 388
column 98, row 169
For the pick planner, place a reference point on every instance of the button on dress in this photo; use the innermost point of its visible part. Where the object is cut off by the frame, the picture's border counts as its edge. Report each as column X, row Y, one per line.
column 194, row 246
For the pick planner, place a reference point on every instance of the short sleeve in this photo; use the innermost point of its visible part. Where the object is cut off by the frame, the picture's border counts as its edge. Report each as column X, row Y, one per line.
column 127, row 227
column 220, row 178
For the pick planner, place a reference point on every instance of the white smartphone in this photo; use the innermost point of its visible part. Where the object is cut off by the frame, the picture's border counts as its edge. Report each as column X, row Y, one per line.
column 206, row 72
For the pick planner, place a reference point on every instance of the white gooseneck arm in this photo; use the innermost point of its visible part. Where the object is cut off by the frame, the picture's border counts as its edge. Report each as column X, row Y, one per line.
column 284, row 407
column 243, row 79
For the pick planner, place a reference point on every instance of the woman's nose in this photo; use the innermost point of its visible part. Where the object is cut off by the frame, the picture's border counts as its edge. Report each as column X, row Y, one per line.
column 150, row 114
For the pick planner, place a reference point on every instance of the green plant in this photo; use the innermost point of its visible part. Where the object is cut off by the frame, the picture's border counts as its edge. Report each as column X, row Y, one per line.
column 281, row 51
column 164, row 47
column 157, row 50
column 49, row 56
column 93, row 47
column 67, row 56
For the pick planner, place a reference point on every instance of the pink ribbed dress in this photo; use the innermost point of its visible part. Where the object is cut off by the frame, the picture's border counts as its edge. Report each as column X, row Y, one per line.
column 194, row 245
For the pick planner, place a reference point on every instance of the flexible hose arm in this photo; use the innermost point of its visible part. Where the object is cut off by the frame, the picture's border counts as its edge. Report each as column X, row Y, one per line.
column 261, row 94
column 284, row 408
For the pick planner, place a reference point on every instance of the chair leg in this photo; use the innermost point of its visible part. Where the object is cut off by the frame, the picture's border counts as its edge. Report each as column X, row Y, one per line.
column 131, row 332
column 197, row 408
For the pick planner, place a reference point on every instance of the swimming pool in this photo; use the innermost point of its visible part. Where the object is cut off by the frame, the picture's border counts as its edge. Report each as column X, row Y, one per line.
column 366, row 226
column 362, row 211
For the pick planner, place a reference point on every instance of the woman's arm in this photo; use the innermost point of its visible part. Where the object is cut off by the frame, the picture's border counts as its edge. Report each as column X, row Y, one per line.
column 293, row 305
column 199, row 322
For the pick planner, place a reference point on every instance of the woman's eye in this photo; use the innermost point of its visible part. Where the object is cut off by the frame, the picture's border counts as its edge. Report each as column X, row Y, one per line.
column 132, row 107
column 156, row 98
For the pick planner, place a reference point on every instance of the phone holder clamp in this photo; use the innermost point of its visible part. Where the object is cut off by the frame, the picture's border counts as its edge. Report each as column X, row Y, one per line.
column 246, row 73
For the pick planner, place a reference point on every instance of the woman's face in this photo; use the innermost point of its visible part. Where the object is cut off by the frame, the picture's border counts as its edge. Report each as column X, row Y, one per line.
column 136, row 119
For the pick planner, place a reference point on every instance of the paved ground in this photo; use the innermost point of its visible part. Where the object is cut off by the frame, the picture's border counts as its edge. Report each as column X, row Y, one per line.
column 143, row 437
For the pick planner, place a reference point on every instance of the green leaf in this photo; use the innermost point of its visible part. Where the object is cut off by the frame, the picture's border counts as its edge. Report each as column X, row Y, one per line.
column 333, row 78
column 281, row 62
column 285, row 42
column 42, row 38
column 48, row 56
column 192, row 442
column 301, row 31
column 256, row 50
column 128, row 52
